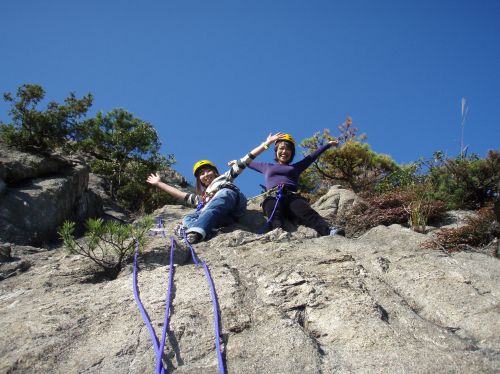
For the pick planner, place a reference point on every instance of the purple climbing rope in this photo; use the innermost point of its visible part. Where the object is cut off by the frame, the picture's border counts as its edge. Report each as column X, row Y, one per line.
column 144, row 314
column 216, row 318
column 159, row 363
column 158, row 347
column 214, row 303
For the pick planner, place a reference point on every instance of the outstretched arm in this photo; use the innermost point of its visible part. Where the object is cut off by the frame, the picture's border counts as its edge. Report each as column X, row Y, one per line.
column 261, row 147
column 155, row 180
column 309, row 159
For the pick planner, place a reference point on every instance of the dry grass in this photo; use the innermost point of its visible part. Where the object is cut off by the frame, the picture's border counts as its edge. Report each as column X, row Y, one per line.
column 479, row 231
column 388, row 209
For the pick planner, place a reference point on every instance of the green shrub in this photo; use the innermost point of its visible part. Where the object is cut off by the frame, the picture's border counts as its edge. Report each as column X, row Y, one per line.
column 45, row 130
column 125, row 151
column 467, row 183
column 119, row 147
column 138, row 196
column 404, row 177
column 108, row 244
column 460, row 183
column 352, row 164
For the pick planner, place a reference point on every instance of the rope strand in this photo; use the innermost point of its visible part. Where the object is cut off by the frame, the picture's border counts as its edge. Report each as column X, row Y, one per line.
column 214, row 303
column 143, row 312
column 167, row 307
column 159, row 346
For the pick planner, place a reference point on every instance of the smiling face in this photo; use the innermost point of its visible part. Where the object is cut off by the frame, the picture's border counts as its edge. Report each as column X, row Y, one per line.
column 284, row 152
column 206, row 175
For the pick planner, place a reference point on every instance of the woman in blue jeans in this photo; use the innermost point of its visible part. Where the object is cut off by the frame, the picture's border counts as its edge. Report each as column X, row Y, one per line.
column 218, row 201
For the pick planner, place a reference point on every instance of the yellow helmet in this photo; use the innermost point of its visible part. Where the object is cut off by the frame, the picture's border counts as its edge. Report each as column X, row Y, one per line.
column 286, row 137
column 201, row 163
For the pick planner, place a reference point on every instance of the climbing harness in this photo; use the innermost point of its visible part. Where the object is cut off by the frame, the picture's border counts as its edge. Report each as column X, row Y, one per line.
column 279, row 195
column 159, row 346
column 265, row 193
column 205, row 198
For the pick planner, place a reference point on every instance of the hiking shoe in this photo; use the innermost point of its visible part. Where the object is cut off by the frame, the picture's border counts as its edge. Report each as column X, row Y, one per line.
column 337, row 231
column 193, row 237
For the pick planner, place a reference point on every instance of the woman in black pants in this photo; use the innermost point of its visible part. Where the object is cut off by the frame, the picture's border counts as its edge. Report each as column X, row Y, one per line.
column 282, row 179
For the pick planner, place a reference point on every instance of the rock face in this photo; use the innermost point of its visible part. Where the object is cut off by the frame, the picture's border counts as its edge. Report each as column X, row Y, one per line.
column 288, row 302
column 21, row 166
column 37, row 193
column 336, row 202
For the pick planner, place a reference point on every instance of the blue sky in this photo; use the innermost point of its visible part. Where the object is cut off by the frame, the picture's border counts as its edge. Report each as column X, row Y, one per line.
column 215, row 77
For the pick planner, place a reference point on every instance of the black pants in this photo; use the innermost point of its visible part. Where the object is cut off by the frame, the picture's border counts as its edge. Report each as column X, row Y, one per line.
column 292, row 205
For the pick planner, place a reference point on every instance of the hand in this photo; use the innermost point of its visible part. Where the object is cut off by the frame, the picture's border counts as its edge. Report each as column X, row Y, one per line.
column 334, row 142
column 231, row 163
column 154, row 179
column 272, row 138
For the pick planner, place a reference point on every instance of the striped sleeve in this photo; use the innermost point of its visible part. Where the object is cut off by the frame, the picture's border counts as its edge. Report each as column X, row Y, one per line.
column 240, row 165
column 192, row 199
column 230, row 175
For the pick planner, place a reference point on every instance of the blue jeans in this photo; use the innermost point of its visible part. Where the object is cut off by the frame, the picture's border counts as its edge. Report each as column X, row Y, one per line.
column 226, row 206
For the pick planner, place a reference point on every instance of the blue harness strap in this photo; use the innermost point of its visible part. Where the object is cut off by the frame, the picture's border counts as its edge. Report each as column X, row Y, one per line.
column 279, row 195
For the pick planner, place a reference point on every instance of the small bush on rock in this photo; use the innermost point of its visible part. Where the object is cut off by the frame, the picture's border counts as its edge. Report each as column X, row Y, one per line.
column 396, row 207
column 108, row 244
column 478, row 231
column 467, row 183
column 352, row 163
column 422, row 206
column 45, row 130
column 125, row 150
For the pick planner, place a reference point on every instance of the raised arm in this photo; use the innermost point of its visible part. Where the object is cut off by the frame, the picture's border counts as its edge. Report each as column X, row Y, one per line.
column 155, row 180
column 262, row 146
column 265, row 145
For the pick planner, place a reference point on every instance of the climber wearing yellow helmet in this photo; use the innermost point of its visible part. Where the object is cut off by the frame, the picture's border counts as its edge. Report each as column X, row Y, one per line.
column 219, row 202
column 283, row 178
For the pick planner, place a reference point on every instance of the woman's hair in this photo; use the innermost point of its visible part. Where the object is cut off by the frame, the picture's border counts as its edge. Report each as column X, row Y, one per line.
column 289, row 145
column 199, row 188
